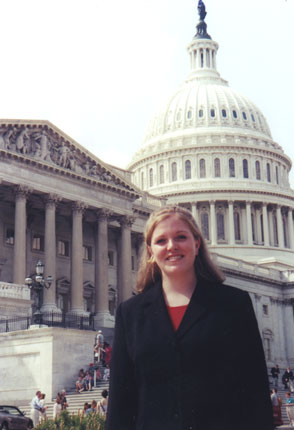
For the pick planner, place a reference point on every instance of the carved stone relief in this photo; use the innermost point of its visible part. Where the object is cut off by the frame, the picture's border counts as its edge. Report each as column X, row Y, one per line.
column 41, row 144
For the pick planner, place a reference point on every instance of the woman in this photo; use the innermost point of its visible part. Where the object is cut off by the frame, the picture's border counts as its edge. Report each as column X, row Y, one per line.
column 44, row 407
column 187, row 353
column 57, row 407
column 102, row 404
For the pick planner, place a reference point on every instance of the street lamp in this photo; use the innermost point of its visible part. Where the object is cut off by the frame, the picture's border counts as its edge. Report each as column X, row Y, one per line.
column 36, row 283
column 37, row 280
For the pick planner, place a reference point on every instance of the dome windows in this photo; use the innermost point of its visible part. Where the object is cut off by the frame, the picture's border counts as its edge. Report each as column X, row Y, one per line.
column 245, row 169
column 268, row 172
column 252, row 117
column 224, row 113
column 212, row 113
column 244, row 115
column 174, row 171
column 189, row 114
column 205, row 225
column 161, row 174
column 235, row 115
column 217, row 168
column 187, row 169
column 200, row 113
column 231, row 167
column 257, row 170
column 179, row 115
column 202, row 168
column 151, row 178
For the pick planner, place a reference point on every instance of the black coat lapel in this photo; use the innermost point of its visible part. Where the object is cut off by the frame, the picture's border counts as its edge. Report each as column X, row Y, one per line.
column 197, row 309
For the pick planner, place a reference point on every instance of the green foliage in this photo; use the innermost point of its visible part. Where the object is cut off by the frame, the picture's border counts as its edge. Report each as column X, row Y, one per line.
column 67, row 421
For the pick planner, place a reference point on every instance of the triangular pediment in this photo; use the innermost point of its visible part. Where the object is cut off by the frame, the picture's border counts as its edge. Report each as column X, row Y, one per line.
column 44, row 143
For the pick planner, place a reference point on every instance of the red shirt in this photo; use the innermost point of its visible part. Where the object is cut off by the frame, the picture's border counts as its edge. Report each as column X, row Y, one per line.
column 176, row 314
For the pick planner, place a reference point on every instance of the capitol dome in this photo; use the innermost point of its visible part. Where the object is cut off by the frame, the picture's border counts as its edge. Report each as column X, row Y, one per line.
column 210, row 149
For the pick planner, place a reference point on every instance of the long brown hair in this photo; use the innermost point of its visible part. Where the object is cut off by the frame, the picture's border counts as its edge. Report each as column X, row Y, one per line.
column 149, row 271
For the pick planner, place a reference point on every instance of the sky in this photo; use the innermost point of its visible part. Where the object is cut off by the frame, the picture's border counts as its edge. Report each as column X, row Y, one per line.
column 98, row 70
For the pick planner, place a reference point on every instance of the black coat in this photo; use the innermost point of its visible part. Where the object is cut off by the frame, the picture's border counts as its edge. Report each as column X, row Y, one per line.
column 209, row 375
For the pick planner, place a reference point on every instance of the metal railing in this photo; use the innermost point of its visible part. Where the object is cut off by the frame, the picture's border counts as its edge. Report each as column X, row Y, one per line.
column 50, row 319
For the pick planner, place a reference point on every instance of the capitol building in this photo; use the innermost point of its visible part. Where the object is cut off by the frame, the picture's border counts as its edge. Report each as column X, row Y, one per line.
column 208, row 149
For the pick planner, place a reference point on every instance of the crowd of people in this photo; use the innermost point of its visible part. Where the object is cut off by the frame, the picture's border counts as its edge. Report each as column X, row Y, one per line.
column 287, row 381
column 97, row 407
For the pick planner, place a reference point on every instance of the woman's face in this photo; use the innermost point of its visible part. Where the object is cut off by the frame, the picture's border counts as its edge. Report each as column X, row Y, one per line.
column 174, row 247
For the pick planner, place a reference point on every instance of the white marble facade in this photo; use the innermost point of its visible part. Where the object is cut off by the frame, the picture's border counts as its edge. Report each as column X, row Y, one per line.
column 65, row 207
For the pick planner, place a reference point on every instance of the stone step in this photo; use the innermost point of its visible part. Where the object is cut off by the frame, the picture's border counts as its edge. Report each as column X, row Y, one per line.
column 75, row 400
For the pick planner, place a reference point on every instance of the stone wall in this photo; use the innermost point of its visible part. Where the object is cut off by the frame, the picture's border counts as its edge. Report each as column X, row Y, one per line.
column 46, row 359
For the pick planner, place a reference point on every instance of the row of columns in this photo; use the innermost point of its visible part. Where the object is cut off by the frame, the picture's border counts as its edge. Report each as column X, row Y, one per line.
column 266, row 227
column 101, row 255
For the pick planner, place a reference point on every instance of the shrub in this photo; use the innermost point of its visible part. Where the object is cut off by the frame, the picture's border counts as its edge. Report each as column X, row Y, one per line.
column 67, row 421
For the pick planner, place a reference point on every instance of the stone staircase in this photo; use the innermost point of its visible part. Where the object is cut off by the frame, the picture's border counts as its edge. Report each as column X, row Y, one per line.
column 75, row 400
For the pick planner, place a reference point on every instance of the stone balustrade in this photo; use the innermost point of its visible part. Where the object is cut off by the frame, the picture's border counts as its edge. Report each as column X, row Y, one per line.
column 15, row 291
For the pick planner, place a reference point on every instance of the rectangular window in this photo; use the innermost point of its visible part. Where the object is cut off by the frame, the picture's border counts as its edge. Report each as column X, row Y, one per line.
column 38, row 242
column 110, row 258
column 9, row 236
column 63, row 248
column 87, row 253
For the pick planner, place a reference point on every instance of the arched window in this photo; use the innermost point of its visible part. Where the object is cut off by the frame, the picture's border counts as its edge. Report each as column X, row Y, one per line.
column 237, row 226
column 202, row 168
column 244, row 115
column 150, row 177
column 224, row 113
column 205, row 225
column 189, row 114
column 161, row 174
column 277, row 175
column 142, row 180
column 257, row 170
column 268, row 172
column 200, row 113
column 220, row 223
column 252, row 117
column 232, row 167
column 174, row 171
column 245, row 168
column 212, row 113
column 187, row 169
column 217, row 169
column 235, row 115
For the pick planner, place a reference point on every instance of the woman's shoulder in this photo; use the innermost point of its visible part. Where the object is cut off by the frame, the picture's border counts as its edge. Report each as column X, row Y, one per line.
column 228, row 296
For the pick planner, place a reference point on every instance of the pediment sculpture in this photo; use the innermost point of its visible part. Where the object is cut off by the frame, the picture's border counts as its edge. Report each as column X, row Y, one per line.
column 44, row 144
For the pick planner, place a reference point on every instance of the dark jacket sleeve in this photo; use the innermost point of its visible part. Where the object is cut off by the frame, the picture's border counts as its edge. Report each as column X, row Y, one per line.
column 122, row 405
column 255, row 395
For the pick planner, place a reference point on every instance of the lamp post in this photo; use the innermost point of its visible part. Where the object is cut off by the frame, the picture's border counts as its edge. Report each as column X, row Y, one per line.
column 37, row 282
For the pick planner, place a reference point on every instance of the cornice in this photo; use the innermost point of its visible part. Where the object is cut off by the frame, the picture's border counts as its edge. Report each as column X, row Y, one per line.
column 223, row 191
column 40, row 144
column 223, row 148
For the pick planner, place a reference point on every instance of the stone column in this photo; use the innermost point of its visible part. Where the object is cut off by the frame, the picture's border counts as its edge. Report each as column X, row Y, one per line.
column 280, row 227
column 212, row 222
column 195, row 213
column 20, row 225
column 291, row 228
column 289, row 330
column 49, row 297
column 265, row 224
column 102, row 315
column 249, row 223
column 125, row 259
column 231, row 224
column 77, row 289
